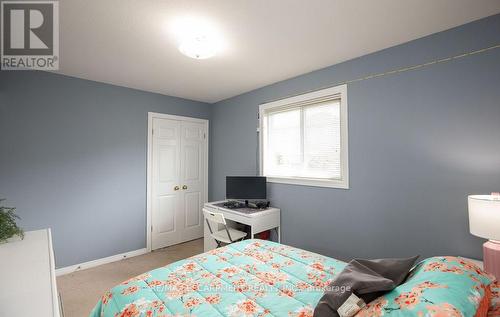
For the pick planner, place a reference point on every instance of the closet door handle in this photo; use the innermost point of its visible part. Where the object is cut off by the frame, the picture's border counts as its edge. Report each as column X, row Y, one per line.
column 176, row 188
column 184, row 187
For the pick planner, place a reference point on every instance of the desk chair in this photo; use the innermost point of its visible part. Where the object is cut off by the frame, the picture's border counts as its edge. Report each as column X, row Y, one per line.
column 226, row 235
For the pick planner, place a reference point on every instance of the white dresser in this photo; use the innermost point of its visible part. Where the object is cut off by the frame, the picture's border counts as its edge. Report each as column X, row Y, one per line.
column 27, row 277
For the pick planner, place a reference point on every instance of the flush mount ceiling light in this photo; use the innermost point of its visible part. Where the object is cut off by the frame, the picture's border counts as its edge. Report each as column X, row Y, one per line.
column 198, row 38
column 199, row 47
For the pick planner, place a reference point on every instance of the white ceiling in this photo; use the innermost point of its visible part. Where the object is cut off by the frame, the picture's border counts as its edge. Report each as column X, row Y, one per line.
column 128, row 42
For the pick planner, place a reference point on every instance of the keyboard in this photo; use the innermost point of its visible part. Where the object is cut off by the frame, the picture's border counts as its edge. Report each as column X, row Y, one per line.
column 233, row 204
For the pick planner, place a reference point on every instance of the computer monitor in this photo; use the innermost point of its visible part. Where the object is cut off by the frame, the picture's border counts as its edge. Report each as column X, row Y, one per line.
column 246, row 187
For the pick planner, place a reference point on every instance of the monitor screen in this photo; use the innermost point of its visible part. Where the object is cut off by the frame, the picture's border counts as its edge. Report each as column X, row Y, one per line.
column 246, row 187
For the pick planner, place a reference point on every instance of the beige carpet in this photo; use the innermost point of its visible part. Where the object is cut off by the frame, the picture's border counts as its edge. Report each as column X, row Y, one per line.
column 81, row 290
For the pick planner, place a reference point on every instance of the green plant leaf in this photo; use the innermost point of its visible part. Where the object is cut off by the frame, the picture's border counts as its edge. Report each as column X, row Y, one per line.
column 8, row 225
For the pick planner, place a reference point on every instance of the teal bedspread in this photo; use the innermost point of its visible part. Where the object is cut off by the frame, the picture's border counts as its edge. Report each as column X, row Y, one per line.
column 249, row 278
column 261, row 278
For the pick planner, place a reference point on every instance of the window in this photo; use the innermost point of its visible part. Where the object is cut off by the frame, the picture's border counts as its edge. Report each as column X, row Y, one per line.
column 303, row 139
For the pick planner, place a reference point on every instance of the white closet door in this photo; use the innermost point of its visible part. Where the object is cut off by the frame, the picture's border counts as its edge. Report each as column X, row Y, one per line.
column 192, row 176
column 165, row 214
column 178, row 181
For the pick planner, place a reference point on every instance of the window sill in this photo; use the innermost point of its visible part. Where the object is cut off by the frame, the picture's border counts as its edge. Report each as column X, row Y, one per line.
column 341, row 184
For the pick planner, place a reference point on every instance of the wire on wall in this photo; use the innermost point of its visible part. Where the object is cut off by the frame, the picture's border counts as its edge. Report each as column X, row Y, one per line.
column 399, row 70
column 377, row 75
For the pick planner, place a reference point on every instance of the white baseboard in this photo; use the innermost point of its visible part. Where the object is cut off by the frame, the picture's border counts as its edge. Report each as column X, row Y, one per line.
column 94, row 263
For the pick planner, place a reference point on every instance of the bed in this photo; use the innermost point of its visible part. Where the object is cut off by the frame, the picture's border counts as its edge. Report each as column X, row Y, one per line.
column 263, row 278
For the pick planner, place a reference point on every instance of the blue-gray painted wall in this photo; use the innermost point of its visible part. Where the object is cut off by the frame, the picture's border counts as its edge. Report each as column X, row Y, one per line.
column 73, row 158
column 419, row 143
column 73, row 153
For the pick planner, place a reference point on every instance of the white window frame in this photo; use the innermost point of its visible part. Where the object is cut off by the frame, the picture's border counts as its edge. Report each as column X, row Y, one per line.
column 338, row 92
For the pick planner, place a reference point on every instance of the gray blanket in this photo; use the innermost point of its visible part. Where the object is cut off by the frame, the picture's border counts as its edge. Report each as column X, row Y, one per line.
column 366, row 279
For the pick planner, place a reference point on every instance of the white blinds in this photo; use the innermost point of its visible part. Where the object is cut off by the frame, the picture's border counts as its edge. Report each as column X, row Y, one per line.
column 304, row 141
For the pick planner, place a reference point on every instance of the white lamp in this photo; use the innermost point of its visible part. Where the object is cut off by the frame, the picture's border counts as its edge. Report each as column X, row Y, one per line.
column 484, row 222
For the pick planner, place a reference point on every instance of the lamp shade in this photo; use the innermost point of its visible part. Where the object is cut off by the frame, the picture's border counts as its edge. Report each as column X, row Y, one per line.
column 484, row 216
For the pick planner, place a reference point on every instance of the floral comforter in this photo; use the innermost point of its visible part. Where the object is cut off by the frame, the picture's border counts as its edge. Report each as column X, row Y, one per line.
column 495, row 300
column 249, row 278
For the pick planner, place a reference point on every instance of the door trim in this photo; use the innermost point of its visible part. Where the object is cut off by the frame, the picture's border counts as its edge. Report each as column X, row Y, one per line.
column 151, row 116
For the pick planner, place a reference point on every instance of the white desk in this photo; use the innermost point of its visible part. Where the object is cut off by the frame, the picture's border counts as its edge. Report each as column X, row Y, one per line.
column 258, row 222
column 28, row 277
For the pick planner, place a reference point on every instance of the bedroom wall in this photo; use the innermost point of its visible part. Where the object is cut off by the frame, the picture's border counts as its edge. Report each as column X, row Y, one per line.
column 419, row 143
column 73, row 158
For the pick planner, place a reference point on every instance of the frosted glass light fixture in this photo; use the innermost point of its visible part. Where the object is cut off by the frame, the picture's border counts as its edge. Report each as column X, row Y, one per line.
column 199, row 47
column 198, row 38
